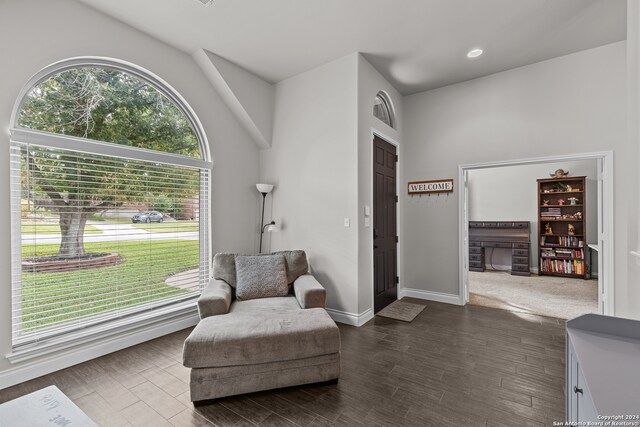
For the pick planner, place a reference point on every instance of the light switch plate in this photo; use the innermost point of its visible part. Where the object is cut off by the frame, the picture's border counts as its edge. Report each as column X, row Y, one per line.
column 367, row 211
column 367, row 222
column 347, row 222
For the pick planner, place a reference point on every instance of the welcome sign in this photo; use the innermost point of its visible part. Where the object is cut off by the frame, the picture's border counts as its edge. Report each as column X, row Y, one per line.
column 430, row 187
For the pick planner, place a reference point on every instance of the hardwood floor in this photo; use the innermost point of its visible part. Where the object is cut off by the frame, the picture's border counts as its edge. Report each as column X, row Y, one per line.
column 452, row 366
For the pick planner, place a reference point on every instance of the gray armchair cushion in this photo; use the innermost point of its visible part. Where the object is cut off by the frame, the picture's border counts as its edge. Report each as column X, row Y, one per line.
column 265, row 305
column 261, row 276
column 297, row 264
column 224, row 268
column 250, row 339
column 309, row 293
column 215, row 299
column 224, row 265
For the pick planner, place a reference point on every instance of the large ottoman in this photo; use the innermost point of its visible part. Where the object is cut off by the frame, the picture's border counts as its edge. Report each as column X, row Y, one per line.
column 245, row 352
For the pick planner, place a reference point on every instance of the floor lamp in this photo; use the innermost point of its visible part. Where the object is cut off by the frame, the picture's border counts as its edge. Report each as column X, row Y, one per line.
column 264, row 189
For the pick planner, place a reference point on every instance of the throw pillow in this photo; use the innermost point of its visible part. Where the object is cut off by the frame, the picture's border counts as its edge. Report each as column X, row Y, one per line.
column 261, row 276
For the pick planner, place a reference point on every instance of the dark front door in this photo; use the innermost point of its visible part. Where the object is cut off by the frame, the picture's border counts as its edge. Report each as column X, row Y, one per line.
column 385, row 240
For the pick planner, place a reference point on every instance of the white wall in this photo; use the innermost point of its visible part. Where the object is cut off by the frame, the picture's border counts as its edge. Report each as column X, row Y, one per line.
column 248, row 96
column 38, row 33
column 510, row 193
column 370, row 82
column 313, row 164
column 566, row 105
column 321, row 165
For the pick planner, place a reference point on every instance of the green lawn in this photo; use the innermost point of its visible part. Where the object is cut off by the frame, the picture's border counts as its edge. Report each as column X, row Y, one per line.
column 38, row 228
column 169, row 226
column 138, row 279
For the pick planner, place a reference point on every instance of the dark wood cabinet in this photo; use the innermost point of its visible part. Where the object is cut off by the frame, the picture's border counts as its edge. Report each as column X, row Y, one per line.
column 508, row 235
column 476, row 257
column 562, row 227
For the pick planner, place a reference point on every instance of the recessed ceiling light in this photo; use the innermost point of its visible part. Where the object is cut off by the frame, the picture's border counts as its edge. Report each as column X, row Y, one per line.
column 474, row 53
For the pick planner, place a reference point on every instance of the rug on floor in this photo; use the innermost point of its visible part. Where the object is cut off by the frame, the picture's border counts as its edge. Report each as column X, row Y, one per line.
column 43, row 408
column 400, row 310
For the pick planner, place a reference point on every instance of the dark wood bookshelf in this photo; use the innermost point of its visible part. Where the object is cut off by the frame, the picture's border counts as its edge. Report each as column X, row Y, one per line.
column 554, row 193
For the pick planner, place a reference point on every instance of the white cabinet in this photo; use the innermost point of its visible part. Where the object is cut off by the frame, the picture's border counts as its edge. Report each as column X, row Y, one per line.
column 580, row 406
column 603, row 359
column 586, row 408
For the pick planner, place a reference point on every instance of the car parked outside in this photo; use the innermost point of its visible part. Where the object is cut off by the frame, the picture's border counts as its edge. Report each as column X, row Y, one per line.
column 150, row 216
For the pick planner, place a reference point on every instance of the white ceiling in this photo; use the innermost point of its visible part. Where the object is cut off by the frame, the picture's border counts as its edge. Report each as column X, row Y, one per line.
column 416, row 44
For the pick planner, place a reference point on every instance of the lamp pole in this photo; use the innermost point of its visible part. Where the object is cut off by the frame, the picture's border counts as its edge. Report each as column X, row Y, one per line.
column 264, row 197
column 264, row 189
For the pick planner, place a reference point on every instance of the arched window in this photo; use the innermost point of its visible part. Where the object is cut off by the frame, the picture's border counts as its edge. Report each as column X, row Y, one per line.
column 109, row 173
column 382, row 109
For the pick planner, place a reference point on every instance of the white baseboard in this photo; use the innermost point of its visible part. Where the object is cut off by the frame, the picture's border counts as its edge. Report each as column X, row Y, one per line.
column 28, row 371
column 350, row 318
column 430, row 296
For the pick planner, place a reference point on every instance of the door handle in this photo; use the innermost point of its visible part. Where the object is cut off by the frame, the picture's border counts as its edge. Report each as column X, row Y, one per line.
column 577, row 390
column 375, row 234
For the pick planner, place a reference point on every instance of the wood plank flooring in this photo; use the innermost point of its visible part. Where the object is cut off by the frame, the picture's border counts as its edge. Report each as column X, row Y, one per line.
column 452, row 366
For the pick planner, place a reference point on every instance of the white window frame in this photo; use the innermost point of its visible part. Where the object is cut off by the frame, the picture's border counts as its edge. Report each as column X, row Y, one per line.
column 46, row 139
column 386, row 101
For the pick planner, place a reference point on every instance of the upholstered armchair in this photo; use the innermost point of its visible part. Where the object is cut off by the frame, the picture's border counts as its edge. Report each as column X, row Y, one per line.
column 263, row 326
column 219, row 295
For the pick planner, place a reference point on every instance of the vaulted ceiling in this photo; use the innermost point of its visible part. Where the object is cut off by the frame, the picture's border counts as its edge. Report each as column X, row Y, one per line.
column 416, row 44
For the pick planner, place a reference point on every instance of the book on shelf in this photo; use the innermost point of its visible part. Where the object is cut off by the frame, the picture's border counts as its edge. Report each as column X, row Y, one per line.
column 566, row 241
column 575, row 266
column 561, row 253
column 551, row 213
column 547, row 252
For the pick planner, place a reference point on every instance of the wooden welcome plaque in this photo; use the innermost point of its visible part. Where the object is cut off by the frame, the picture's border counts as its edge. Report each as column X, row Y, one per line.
column 430, row 187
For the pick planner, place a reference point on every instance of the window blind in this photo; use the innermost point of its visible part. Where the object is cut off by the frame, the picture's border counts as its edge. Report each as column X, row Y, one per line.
column 79, row 257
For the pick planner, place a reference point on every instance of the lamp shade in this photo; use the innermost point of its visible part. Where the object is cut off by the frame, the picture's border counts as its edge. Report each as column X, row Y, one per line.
column 264, row 188
column 273, row 228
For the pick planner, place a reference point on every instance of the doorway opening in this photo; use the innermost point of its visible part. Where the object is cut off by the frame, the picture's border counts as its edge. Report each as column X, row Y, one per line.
column 497, row 197
column 385, row 223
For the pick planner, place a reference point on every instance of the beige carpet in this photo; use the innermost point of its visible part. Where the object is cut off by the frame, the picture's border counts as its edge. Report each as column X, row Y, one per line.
column 546, row 295
column 400, row 310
